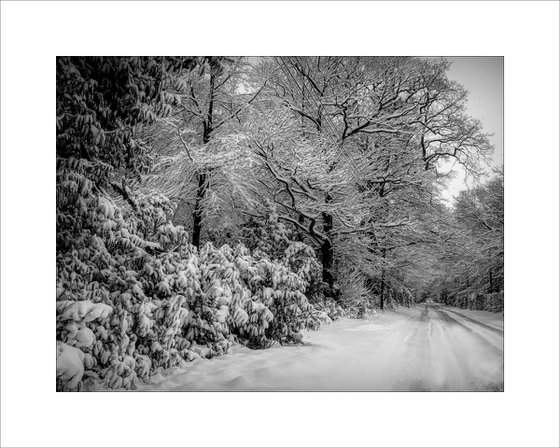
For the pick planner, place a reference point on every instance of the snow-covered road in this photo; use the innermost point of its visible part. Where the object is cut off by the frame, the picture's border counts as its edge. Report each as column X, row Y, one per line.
column 423, row 348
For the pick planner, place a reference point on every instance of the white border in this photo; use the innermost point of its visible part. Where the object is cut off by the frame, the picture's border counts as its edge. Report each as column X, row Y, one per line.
column 527, row 414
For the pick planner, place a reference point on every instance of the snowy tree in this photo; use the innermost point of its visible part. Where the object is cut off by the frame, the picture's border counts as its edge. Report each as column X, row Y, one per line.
column 476, row 258
column 212, row 97
column 368, row 132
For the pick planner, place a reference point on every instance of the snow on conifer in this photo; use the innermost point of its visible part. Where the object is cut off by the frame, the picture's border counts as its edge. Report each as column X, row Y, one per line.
column 137, row 299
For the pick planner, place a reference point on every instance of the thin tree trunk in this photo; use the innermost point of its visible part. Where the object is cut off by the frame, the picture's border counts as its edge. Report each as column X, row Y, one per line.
column 327, row 258
column 300, row 235
column 197, row 218
column 382, row 292
column 327, row 254
column 202, row 177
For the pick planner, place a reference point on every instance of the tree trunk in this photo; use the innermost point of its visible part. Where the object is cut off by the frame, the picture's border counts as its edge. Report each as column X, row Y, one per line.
column 300, row 235
column 327, row 258
column 197, row 218
column 491, row 282
column 327, row 255
column 202, row 177
column 382, row 292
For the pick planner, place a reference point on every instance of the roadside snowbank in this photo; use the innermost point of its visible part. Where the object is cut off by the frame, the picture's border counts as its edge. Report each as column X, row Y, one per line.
column 406, row 349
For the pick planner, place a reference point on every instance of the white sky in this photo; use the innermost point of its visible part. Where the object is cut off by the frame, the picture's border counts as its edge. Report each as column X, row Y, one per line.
column 483, row 78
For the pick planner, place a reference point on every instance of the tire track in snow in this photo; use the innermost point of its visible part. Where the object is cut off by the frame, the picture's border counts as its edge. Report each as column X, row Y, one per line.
column 449, row 319
column 415, row 356
column 476, row 322
column 451, row 371
column 481, row 363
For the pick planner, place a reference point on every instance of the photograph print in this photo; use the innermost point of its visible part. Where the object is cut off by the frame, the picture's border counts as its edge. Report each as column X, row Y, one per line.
column 290, row 223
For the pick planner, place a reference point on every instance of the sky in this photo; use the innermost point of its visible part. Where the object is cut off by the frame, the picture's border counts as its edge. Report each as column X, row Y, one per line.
column 483, row 78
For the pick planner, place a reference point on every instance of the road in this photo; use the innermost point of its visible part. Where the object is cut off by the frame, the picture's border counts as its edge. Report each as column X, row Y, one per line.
column 428, row 347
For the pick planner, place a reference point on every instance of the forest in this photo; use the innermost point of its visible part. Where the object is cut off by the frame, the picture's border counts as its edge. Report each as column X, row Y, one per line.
column 204, row 202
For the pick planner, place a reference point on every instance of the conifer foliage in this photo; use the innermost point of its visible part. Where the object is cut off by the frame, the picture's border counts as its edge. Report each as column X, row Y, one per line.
column 135, row 297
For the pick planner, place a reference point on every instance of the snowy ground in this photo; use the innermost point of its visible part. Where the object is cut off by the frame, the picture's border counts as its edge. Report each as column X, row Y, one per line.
column 423, row 348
